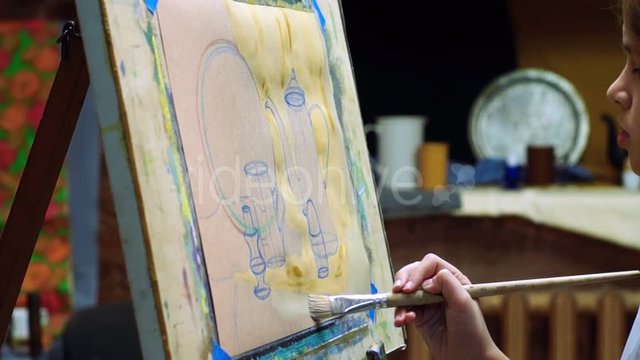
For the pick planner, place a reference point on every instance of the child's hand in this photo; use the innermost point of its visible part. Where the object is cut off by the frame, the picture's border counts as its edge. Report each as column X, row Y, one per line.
column 454, row 329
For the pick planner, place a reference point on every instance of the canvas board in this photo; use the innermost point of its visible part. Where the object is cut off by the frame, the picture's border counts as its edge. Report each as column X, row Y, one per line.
column 239, row 127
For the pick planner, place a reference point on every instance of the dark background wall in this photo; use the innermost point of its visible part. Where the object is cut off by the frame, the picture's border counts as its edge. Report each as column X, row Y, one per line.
column 429, row 57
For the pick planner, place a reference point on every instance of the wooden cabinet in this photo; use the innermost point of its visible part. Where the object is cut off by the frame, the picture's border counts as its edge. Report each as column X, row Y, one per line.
column 587, row 322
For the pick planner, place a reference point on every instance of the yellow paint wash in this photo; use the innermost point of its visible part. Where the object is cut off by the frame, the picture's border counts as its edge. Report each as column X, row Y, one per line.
column 169, row 130
column 299, row 275
column 274, row 41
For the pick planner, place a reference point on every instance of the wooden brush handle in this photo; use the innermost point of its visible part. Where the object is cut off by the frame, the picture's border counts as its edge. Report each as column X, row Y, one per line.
column 417, row 298
column 504, row 287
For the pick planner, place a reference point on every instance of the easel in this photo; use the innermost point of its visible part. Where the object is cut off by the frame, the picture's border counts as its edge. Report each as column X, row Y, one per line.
column 42, row 170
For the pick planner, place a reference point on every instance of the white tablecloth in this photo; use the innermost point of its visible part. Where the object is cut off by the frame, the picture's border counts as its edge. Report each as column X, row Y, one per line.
column 608, row 213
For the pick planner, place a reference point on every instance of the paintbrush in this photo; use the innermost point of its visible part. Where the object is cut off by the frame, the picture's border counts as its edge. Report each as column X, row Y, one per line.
column 323, row 306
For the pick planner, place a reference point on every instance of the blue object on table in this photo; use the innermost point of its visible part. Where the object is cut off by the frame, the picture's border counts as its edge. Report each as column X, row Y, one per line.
column 498, row 172
column 573, row 173
column 490, row 171
column 512, row 176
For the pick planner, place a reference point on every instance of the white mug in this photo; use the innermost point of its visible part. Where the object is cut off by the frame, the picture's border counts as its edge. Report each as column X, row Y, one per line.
column 399, row 138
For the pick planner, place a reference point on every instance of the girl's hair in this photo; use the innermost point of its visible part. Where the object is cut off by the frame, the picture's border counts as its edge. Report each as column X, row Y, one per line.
column 631, row 15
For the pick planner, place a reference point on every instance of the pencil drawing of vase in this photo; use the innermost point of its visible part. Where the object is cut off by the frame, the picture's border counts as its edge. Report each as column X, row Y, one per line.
column 251, row 233
column 264, row 194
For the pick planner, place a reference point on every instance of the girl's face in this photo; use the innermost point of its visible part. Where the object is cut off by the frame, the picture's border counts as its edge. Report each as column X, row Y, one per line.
column 625, row 91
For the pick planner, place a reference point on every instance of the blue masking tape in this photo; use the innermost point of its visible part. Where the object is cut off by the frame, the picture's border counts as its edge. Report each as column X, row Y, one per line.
column 372, row 313
column 151, row 5
column 218, row 353
column 318, row 12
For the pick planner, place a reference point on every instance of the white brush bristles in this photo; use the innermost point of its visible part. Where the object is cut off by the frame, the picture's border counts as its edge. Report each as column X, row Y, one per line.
column 319, row 307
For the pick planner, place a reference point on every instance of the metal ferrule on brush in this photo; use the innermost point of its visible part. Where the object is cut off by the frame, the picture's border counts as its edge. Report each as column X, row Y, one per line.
column 345, row 304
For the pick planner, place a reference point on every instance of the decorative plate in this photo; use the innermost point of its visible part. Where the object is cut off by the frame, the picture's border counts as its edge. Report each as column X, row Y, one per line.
column 529, row 107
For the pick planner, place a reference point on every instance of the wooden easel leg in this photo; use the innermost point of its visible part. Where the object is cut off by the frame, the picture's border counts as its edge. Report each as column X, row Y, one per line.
column 41, row 174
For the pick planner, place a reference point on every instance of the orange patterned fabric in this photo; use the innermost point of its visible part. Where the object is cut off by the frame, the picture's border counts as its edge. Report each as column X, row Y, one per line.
column 29, row 58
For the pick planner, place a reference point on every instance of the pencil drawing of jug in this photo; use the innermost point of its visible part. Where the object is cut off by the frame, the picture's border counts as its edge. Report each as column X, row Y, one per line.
column 307, row 169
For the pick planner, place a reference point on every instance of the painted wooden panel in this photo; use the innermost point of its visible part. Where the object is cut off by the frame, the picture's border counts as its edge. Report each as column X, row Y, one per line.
column 240, row 173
